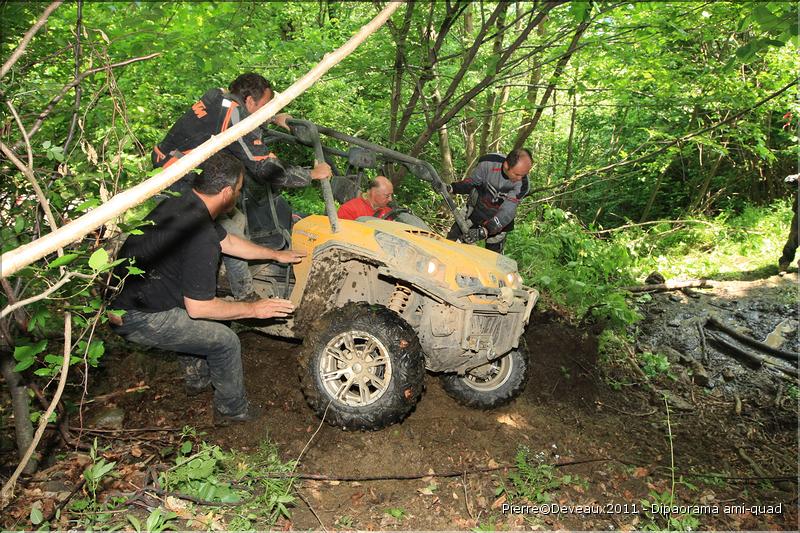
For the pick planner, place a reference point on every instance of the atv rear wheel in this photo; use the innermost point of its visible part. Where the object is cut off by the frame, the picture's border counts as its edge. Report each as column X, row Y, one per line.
column 361, row 367
column 491, row 385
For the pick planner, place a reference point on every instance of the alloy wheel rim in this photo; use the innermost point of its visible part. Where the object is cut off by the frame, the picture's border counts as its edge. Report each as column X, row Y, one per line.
column 355, row 368
column 499, row 371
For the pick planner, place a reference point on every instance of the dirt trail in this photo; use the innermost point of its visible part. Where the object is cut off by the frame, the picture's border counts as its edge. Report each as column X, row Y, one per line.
column 567, row 414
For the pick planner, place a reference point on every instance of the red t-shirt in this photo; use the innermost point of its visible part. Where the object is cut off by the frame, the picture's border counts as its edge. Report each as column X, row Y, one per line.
column 360, row 207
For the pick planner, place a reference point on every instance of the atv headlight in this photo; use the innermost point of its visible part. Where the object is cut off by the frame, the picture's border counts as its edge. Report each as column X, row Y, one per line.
column 431, row 267
column 514, row 280
column 406, row 255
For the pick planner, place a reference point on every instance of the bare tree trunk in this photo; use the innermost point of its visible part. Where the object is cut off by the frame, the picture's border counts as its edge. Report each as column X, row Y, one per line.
column 533, row 81
column 470, row 122
column 486, row 124
column 571, row 135
column 699, row 199
column 526, row 129
column 491, row 94
column 22, row 413
column 448, row 172
column 453, row 11
column 399, row 69
column 652, row 199
column 551, row 163
column 445, row 114
column 471, row 153
column 497, row 120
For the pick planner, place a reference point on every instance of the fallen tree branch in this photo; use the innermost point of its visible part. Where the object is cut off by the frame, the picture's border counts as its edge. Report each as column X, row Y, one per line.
column 755, row 466
column 419, row 475
column 788, row 356
column 66, row 500
column 130, row 430
column 754, row 361
column 114, row 394
column 671, row 285
column 703, row 345
column 650, row 223
column 26, row 39
column 14, row 260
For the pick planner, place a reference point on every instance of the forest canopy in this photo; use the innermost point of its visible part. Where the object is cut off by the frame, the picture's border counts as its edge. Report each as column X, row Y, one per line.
column 665, row 94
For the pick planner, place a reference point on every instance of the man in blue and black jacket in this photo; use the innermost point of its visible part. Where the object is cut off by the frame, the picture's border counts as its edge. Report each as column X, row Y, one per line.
column 496, row 186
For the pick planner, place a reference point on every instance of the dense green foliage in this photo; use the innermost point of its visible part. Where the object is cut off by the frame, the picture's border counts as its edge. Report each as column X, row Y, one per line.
column 636, row 112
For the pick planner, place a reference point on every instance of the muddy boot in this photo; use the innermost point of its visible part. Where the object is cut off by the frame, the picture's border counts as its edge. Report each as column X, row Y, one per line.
column 251, row 413
column 196, row 389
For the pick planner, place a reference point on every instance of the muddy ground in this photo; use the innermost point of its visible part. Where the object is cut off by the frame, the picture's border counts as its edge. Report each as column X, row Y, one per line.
column 612, row 435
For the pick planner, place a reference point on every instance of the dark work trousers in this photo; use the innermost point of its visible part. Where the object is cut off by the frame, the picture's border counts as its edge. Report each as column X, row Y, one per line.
column 213, row 352
column 236, row 270
column 791, row 243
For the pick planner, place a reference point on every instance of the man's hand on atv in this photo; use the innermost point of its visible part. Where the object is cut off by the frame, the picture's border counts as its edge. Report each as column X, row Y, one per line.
column 272, row 308
column 280, row 120
column 475, row 234
column 321, row 171
column 289, row 256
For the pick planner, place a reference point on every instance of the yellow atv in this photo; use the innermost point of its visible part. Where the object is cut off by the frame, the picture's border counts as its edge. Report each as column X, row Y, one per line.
column 380, row 301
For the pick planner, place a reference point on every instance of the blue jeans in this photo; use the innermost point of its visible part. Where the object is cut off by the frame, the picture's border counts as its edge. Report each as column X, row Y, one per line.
column 213, row 351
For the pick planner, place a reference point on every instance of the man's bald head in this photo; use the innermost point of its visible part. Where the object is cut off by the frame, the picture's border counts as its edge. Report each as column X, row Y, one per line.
column 380, row 191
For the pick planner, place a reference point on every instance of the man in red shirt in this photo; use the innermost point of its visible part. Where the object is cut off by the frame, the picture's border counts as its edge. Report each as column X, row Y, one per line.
column 373, row 203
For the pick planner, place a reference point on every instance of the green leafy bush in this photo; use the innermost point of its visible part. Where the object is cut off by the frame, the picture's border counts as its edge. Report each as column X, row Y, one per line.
column 555, row 252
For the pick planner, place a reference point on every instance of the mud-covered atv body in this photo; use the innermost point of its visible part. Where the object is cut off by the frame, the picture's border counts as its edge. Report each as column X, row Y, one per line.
column 379, row 302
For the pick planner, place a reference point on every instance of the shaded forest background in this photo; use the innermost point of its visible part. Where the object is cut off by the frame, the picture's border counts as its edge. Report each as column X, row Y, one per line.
column 636, row 112
column 662, row 93
column 661, row 131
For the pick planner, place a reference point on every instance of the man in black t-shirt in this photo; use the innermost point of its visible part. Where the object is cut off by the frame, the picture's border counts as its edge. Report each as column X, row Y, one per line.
column 173, row 305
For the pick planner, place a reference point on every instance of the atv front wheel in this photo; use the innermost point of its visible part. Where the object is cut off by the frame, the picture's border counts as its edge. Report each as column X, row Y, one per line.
column 362, row 367
column 491, row 385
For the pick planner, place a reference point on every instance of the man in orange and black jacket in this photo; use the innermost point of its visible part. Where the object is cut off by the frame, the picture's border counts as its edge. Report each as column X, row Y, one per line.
column 215, row 112
column 218, row 110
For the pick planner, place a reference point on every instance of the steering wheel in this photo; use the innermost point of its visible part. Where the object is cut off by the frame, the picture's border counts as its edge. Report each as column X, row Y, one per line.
column 392, row 213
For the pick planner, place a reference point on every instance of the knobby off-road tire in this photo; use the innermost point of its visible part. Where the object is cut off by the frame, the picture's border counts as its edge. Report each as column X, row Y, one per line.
column 506, row 379
column 362, row 367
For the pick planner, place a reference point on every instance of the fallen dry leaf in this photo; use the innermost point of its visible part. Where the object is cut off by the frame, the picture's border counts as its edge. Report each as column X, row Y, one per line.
column 515, row 422
column 499, row 501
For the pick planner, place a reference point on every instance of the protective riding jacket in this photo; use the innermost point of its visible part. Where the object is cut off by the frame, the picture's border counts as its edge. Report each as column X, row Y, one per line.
column 493, row 197
column 214, row 113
